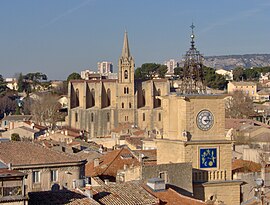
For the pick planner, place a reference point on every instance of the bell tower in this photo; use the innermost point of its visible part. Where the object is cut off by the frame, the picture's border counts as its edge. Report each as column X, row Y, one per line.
column 126, row 92
column 126, row 64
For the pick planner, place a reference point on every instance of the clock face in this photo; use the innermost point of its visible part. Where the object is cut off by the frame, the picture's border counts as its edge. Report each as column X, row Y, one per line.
column 205, row 120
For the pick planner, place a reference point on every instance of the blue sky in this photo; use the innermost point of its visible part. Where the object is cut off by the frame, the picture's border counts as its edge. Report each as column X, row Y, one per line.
column 58, row 37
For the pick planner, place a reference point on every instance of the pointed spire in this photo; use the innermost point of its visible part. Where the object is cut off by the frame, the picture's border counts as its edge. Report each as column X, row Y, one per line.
column 125, row 50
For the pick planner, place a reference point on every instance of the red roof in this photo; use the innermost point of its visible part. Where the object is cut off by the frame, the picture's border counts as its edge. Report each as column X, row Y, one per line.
column 110, row 163
column 240, row 165
column 171, row 197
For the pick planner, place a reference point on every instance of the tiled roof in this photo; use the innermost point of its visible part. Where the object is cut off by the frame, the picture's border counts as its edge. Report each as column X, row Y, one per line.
column 171, row 197
column 135, row 141
column 9, row 173
column 110, row 163
column 39, row 127
column 242, row 83
column 121, row 126
column 149, row 156
column 128, row 193
column 60, row 197
column 17, row 117
column 28, row 153
column 237, row 123
column 240, row 165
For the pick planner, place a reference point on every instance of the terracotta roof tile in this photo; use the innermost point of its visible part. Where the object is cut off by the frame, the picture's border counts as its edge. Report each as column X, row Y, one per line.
column 17, row 117
column 60, row 197
column 9, row 173
column 237, row 123
column 129, row 193
column 135, row 141
column 171, row 197
column 110, row 163
column 240, row 165
column 28, row 153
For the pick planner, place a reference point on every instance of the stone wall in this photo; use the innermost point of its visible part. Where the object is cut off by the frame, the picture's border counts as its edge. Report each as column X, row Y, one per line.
column 65, row 177
column 177, row 174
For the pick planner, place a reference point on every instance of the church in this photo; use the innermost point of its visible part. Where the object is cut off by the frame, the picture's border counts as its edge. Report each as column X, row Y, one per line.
column 98, row 106
column 191, row 122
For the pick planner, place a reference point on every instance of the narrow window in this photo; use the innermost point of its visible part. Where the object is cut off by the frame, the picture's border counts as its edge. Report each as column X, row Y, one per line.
column 93, row 97
column 129, row 105
column 108, row 97
column 127, row 90
column 92, row 117
column 143, row 117
column 123, row 105
column 76, row 117
column 77, row 100
column 36, row 176
column 159, row 116
column 54, row 175
column 108, row 117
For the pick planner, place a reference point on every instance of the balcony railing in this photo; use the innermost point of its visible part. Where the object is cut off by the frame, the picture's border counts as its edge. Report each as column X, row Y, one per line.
column 204, row 176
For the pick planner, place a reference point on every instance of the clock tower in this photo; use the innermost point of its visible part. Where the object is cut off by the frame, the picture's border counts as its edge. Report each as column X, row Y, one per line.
column 194, row 132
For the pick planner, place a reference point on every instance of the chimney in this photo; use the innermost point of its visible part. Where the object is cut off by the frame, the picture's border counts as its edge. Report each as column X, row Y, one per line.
column 89, row 191
column 106, row 181
column 125, row 166
column 9, row 166
column 96, row 162
column 156, row 184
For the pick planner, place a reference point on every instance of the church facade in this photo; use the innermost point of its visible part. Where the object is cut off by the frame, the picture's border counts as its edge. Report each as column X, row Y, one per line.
column 98, row 106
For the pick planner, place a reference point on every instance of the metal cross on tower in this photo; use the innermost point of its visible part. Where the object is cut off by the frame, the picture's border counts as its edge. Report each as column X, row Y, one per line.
column 193, row 78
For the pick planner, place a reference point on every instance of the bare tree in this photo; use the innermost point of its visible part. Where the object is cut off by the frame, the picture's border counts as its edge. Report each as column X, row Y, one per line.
column 239, row 105
column 45, row 110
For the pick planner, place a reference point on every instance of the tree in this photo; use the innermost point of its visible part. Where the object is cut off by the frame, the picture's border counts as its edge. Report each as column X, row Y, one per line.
column 15, row 137
column 7, row 104
column 162, row 70
column 179, row 71
column 74, row 76
column 239, row 105
column 3, row 86
column 23, row 84
column 213, row 79
column 238, row 74
column 45, row 110
column 251, row 74
column 150, row 70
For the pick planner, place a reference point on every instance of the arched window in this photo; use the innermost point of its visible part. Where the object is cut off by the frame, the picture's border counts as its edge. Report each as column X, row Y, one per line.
column 92, row 97
column 108, row 97
column 77, row 98
column 92, row 117
column 123, row 105
column 129, row 105
column 127, row 90
column 126, row 74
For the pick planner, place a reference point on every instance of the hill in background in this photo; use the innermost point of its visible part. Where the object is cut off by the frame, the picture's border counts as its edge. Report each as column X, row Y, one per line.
column 232, row 61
